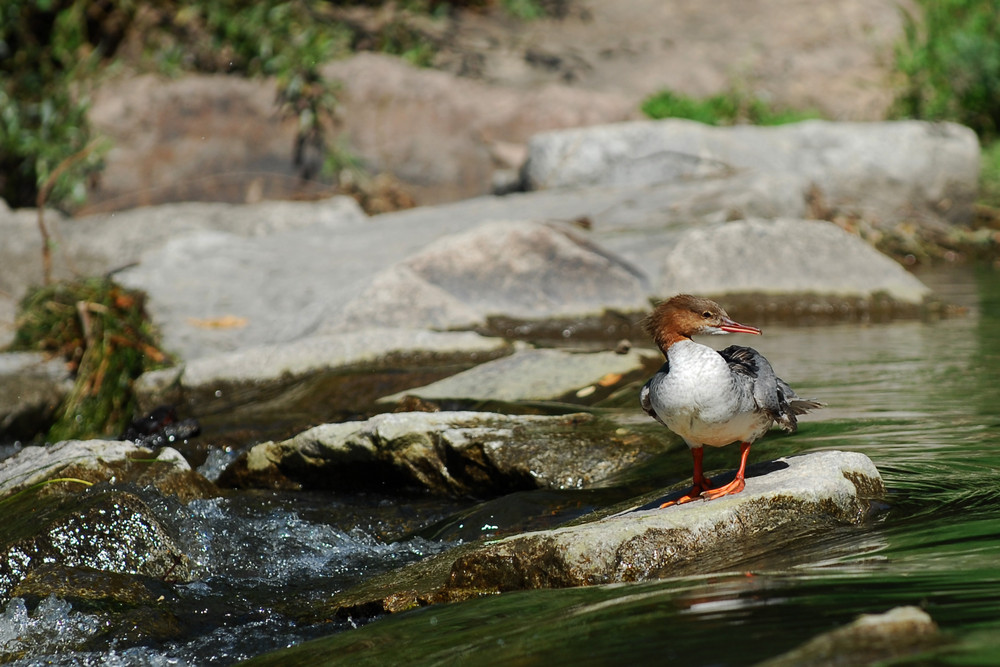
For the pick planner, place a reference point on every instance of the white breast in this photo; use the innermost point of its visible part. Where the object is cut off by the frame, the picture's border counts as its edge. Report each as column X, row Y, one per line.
column 700, row 400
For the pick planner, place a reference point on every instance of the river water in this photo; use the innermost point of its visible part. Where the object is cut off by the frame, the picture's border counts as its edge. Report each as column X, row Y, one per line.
column 922, row 399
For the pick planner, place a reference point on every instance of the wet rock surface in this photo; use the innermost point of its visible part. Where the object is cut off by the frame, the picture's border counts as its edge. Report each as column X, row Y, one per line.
column 95, row 461
column 448, row 453
column 784, row 501
column 105, row 529
column 871, row 638
column 130, row 608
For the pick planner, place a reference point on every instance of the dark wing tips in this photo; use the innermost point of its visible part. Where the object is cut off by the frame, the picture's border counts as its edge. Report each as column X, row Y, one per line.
column 791, row 405
column 800, row 406
column 797, row 405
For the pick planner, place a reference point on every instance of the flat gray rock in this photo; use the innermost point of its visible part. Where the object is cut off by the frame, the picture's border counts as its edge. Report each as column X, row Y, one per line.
column 888, row 171
column 447, row 453
column 99, row 244
column 782, row 257
column 223, row 278
column 538, row 375
column 785, row 502
column 236, row 378
column 683, row 539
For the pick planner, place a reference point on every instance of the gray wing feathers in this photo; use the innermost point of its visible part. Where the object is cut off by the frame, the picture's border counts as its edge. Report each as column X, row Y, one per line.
column 770, row 393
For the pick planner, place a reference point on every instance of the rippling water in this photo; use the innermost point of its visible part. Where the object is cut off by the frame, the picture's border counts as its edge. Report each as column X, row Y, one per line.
column 921, row 399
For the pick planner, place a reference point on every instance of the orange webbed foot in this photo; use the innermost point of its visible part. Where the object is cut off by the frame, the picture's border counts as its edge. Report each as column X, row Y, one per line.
column 734, row 486
column 696, row 493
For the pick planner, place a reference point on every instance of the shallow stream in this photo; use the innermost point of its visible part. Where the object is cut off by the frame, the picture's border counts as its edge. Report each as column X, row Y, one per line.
column 922, row 399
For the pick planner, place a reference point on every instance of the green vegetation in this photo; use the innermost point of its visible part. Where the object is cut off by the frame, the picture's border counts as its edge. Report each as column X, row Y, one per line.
column 731, row 108
column 949, row 59
column 524, row 9
column 46, row 52
column 949, row 63
column 989, row 176
column 51, row 52
column 103, row 332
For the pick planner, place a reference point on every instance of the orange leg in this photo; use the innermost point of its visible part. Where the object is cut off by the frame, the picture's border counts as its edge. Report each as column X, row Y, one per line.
column 699, row 481
column 738, row 482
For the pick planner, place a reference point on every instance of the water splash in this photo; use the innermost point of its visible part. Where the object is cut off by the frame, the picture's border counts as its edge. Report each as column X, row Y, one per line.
column 264, row 544
column 52, row 627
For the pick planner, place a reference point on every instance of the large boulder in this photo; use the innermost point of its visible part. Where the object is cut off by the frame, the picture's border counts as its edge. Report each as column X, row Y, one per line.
column 884, row 171
column 514, row 270
column 793, row 496
column 221, row 138
column 756, row 262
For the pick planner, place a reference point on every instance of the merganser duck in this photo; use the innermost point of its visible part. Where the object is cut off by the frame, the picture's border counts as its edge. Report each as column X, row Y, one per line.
column 711, row 397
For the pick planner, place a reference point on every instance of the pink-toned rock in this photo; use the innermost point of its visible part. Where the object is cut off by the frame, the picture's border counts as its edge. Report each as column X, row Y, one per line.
column 221, row 138
column 444, row 134
column 211, row 138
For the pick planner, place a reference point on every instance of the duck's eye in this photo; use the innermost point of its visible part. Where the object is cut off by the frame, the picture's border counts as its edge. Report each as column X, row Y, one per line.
column 707, row 315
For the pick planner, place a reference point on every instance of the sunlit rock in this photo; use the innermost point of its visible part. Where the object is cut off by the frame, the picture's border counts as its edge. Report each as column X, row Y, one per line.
column 517, row 270
column 791, row 496
column 760, row 262
column 785, row 502
column 540, row 375
column 64, row 468
column 447, row 453
column 885, row 171
column 346, row 372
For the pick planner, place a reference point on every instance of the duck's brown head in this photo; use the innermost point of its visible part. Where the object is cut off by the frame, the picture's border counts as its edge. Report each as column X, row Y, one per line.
column 685, row 315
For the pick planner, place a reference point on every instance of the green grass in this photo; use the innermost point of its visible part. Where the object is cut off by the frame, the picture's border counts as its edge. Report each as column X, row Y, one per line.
column 730, row 108
column 989, row 175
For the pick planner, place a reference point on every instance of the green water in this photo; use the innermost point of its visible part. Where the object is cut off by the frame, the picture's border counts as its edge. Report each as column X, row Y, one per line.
column 922, row 399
